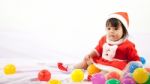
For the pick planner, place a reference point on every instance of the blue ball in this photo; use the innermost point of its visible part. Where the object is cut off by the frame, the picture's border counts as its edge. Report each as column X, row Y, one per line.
column 142, row 59
column 133, row 66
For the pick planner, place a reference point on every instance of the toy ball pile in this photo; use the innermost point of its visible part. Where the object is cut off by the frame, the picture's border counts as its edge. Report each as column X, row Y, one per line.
column 139, row 76
column 135, row 75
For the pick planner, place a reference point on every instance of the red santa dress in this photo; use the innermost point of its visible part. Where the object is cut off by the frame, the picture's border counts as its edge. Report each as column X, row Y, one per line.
column 115, row 55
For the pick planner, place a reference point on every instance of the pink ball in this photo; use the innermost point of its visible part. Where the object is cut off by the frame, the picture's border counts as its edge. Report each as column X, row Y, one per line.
column 98, row 78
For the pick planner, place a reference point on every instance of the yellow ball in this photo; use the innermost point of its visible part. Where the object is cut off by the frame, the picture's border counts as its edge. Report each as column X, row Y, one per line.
column 92, row 69
column 77, row 75
column 54, row 81
column 9, row 69
column 140, row 75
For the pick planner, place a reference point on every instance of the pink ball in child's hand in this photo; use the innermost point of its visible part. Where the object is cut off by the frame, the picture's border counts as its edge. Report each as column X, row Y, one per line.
column 44, row 75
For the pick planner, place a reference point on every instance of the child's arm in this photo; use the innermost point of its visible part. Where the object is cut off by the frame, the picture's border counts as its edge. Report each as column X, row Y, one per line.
column 132, row 54
column 89, row 57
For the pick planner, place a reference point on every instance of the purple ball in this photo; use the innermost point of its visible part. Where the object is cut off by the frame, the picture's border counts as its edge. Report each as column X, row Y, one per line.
column 128, row 80
column 98, row 78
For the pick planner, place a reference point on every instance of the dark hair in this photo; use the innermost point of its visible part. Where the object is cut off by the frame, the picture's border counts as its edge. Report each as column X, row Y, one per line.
column 115, row 23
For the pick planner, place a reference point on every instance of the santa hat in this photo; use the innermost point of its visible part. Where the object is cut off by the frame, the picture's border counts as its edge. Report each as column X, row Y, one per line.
column 122, row 16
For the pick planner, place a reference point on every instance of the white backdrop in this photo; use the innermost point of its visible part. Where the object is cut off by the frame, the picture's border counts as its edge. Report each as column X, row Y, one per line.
column 61, row 29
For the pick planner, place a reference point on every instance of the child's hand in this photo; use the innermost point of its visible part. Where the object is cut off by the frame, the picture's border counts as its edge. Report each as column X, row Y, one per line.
column 88, row 59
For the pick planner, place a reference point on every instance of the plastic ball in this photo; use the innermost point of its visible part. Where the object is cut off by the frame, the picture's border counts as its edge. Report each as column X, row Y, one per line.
column 127, row 75
column 128, row 80
column 77, row 75
column 92, row 69
column 44, row 75
column 148, row 81
column 112, row 81
column 54, row 81
column 140, row 75
column 133, row 66
column 98, row 78
column 147, row 69
column 9, row 69
column 142, row 59
column 89, row 77
column 114, row 75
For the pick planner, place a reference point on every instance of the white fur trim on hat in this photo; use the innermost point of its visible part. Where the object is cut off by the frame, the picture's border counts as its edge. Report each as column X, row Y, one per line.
column 121, row 18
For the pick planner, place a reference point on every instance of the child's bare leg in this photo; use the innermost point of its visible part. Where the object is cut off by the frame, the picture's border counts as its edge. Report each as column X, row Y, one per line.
column 84, row 64
column 81, row 65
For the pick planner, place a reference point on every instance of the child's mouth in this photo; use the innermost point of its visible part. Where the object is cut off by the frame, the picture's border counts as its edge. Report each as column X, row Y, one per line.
column 112, row 36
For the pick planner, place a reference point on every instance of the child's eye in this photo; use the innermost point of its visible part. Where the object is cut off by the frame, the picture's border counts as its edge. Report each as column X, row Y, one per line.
column 116, row 28
column 108, row 28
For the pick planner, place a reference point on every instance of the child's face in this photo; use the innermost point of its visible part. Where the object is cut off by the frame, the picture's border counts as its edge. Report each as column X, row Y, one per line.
column 114, row 33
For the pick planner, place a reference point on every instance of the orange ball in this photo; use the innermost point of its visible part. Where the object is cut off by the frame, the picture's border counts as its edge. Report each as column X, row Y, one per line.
column 92, row 69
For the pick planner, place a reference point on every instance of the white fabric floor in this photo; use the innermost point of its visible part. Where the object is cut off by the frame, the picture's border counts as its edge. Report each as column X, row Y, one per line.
column 28, row 69
column 27, row 72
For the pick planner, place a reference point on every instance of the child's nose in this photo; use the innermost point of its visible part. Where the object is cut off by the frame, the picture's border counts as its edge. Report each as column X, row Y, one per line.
column 111, row 31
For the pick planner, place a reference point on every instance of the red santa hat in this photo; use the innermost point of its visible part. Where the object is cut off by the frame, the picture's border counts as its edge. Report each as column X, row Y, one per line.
column 122, row 16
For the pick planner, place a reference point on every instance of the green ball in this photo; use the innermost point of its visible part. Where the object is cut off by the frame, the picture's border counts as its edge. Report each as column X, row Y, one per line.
column 112, row 81
column 148, row 81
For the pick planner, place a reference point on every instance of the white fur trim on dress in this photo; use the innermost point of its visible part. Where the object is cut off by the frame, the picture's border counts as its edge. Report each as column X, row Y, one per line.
column 115, row 42
column 121, row 18
column 108, row 68
column 109, row 51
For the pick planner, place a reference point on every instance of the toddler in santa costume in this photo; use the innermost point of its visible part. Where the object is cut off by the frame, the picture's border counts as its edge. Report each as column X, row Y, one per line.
column 114, row 51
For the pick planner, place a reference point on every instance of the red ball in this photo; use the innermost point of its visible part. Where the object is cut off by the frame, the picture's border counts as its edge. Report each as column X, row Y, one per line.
column 89, row 77
column 114, row 75
column 44, row 75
